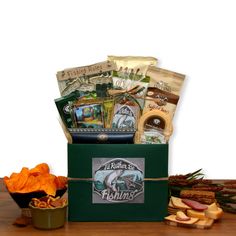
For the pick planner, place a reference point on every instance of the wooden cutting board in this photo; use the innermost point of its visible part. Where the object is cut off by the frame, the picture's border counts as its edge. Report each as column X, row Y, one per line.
column 193, row 223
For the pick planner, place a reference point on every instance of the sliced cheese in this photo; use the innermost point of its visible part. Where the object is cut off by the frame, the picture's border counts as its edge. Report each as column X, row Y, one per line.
column 204, row 224
column 177, row 203
column 198, row 214
column 170, row 204
column 214, row 214
column 181, row 216
column 188, row 222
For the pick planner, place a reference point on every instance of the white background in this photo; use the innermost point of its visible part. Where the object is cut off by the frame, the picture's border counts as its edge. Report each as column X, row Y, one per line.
column 197, row 38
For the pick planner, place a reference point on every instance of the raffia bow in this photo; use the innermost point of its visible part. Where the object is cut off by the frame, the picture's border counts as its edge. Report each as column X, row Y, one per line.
column 130, row 94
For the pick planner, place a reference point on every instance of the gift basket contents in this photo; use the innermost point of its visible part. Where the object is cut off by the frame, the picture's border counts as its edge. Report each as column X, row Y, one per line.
column 197, row 202
column 123, row 100
column 117, row 117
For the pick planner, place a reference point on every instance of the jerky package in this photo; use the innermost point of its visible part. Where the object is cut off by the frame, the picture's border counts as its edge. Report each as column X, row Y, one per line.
column 130, row 73
column 93, row 78
column 163, row 90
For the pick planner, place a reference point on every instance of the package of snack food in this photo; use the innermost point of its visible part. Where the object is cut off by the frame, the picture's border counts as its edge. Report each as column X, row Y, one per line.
column 154, row 127
column 134, row 64
column 152, row 137
column 126, row 113
column 163, row 91
column 64, row 109
column 88, row 114
column 108, row 106
column 130, row 73
column 96, row 77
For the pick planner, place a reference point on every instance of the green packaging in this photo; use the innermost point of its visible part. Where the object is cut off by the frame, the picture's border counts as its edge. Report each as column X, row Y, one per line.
column 63, row 107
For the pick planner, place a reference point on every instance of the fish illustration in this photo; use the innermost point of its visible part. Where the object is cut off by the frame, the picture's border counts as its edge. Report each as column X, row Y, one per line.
column 110, row 179
column 125, row 121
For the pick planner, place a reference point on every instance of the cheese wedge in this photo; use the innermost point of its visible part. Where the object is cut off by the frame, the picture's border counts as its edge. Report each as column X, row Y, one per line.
column 188, row 222
column 214, row 214
column 177, row 203
column 197, row 214
column 212, row 207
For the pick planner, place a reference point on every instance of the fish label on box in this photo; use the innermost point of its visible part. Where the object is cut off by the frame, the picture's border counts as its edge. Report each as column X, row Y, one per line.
column 118, row 180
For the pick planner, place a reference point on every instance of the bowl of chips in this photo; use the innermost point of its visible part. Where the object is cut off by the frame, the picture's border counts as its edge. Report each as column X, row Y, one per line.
column 48, row 212
column 34, row 183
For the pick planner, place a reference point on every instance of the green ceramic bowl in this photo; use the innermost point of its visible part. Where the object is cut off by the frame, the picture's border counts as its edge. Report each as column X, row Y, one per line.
column 48, row 218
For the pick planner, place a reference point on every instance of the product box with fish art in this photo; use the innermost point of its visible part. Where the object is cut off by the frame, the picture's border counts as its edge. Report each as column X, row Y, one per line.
column 117, row 182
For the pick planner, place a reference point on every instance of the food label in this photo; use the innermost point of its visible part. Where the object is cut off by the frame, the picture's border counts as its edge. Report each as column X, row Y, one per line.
column 118, row 180
column 125, row 116
column 86, row 78
column 85, row 70
column 163, row 91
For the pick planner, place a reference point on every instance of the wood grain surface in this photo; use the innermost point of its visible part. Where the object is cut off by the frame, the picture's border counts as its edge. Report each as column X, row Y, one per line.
column 9, row 211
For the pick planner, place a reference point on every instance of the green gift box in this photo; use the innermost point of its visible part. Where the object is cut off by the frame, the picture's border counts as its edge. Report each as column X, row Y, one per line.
column 117, row 182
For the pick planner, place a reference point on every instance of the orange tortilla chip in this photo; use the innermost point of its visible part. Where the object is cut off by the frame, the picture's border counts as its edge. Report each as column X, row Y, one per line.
column 61, row 182
column 17, row 181
column 35, row 179
column 13, row 175
column 9, row 184
column 48, row 184
column 42, row 168
column 31, row 185
column 22, row 178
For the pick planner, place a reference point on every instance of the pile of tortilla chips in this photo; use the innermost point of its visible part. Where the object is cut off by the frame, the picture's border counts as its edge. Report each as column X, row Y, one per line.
column 35, row 179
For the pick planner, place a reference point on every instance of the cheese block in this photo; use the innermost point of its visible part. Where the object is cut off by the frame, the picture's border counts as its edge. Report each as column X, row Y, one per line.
column 187, row 222
column 214, row 214
column 197, row 214
column 177, row 203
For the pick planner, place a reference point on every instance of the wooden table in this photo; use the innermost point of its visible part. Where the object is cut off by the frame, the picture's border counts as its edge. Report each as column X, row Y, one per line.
column 9, row 211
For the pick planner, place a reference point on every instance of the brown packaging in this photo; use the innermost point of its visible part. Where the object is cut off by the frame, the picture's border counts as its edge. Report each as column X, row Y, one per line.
column 84, row 78
column 163, row 91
